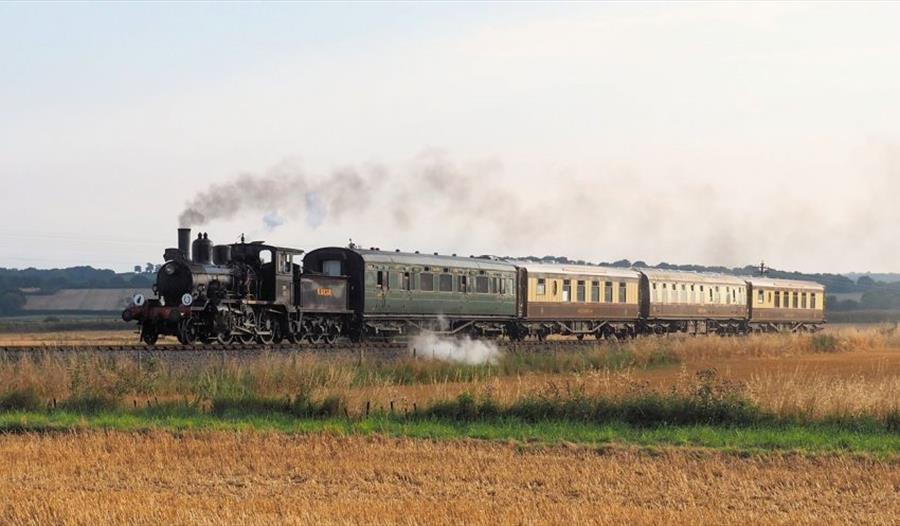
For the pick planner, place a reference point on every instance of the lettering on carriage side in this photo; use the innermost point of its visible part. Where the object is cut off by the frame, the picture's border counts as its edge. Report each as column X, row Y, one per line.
column 324, row 292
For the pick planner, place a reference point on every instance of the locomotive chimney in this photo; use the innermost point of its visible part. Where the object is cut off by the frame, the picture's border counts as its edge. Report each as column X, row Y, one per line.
column 184, row 242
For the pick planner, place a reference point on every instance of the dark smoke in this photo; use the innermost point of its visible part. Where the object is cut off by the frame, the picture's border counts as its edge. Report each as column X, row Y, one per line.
column 281, row 190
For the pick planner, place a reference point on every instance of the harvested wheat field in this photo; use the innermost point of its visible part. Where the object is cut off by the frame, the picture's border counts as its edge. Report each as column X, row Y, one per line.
column 161, row 478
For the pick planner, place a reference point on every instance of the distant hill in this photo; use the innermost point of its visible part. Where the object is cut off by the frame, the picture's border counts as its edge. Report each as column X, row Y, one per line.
column 18, row 285
column 890, row 277
column 82, row 301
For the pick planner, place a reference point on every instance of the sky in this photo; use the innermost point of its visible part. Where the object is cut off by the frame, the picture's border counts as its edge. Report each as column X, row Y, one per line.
column 708, row 133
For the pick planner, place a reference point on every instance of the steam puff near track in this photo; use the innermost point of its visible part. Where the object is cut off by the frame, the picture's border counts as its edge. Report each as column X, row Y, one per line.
column 459, row 350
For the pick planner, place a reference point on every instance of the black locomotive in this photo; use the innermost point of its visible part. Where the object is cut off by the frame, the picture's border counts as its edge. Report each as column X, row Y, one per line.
column 247, row 292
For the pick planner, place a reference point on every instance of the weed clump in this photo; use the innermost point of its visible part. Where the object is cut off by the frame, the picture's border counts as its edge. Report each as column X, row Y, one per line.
column 300, row 406
column 91, row 404
column 20, row 400
column 824, row 343
column 710, row 402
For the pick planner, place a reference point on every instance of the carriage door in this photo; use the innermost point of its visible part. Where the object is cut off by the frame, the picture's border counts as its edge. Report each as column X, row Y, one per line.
column 284, row 279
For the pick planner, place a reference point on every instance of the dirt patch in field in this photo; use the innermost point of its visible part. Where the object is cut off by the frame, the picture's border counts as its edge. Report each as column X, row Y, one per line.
column 100, row 478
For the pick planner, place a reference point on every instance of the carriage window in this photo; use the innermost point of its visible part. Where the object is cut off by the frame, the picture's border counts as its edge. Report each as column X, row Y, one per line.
column 760, row 297
column 462, row 283
column 445, row 283
column 608, row 292
column 541, row 287
column 777, row 299
column 812, row 300
column 405, row 281
column 623, row 292
column 595, row 291
column 426, row 281
column 579, row 291
column 481, row 284
column 567, row 290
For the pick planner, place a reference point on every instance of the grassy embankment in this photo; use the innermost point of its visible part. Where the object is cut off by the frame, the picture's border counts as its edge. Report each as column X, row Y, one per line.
column 651, row 391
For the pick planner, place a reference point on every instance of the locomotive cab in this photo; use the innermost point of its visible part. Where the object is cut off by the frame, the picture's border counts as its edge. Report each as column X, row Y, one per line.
column 275, row 269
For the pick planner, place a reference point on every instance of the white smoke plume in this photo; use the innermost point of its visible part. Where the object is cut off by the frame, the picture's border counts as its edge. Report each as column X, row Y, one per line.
column 605, row 214
column 458, row 350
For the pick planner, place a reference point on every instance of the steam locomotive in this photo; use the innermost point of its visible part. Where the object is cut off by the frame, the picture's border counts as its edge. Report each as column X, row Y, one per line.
column 254, row 292
column 247, row 292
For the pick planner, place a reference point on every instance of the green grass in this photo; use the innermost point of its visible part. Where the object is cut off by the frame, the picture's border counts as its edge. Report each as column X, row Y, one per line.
column 810, row 438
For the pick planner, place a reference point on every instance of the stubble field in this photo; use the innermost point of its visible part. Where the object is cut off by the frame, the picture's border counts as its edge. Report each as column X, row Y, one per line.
column 227, row 478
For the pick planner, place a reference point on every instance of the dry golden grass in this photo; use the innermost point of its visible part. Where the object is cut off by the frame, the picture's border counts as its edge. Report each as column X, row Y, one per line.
column 158, row 478
column 787, row 374
column 782, row 373
column 65, row 339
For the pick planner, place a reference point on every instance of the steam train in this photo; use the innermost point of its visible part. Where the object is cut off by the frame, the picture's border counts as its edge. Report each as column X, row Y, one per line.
column 247, row 292
column 254, row 292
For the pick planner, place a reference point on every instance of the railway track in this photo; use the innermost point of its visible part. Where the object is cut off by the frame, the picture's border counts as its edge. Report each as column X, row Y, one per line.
column 321, row 348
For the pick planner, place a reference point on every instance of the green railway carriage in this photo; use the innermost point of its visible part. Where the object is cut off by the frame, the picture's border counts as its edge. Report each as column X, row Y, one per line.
column 399, row 293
